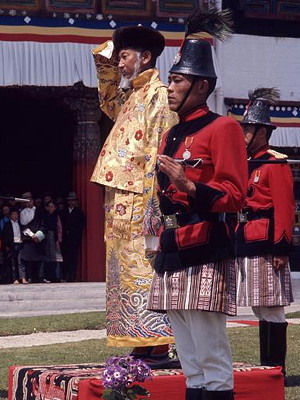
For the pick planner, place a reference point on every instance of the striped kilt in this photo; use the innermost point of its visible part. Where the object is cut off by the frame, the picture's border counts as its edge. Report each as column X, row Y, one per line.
column 259, row 284
column 205, row 287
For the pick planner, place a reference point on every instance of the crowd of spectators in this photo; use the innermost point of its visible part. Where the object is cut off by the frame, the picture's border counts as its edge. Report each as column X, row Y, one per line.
column 40, row 238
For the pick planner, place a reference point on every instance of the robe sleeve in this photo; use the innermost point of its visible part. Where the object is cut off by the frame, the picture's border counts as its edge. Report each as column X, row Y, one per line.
column 227, row 190
column 110, row 96
column 281, row 186
column 158, row 118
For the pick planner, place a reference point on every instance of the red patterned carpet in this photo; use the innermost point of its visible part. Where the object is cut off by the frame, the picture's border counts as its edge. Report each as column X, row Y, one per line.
column 83, row 382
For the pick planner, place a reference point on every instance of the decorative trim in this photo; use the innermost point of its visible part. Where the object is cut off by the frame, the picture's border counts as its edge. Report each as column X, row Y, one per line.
column 173, row 8
column 271, row 9
column 61, row 30
column 75, row 6
column 119, row 7
column 30, row 5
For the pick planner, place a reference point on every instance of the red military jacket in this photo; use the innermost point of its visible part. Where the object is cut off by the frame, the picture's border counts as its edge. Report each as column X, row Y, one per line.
column 269, row 209
column 201, row 234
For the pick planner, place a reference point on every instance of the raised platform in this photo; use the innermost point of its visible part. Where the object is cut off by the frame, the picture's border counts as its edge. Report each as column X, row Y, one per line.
column 83, row 382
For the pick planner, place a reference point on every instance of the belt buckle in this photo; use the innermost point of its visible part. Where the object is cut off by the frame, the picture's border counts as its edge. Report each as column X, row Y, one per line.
column 170, row 221
column 242, row 217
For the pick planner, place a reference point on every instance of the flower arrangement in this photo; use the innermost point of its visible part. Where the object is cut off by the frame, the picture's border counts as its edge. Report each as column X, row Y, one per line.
column 119, row 375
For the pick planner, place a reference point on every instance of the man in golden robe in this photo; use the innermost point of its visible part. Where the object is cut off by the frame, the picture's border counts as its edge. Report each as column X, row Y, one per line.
column 132, row 95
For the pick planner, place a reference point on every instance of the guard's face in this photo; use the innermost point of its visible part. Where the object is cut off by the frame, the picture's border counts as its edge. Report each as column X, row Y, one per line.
column 128, row 60
column 179, row 85
column 248, row 132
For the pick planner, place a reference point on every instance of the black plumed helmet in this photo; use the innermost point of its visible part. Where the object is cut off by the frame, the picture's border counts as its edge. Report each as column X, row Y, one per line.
column 195, row 59
column 258, row 108
column 139, row 38
column 195, row 55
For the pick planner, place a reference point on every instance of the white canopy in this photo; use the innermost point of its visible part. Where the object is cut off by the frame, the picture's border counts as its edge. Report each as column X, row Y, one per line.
column 64, row 64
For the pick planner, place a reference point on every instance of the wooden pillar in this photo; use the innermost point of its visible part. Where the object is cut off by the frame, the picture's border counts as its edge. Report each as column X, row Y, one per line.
column 85, row 153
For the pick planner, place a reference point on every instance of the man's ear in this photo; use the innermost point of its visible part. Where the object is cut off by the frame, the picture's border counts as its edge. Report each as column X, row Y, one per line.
column 146, row 57
column 203, row 86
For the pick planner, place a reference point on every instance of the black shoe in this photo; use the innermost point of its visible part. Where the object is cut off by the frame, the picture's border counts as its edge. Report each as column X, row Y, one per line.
column 163, row 363
column 193, row 394
column 217, row 395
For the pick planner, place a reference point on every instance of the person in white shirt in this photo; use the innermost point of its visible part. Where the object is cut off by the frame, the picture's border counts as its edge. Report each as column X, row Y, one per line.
column 12, row 243
column 34, row 229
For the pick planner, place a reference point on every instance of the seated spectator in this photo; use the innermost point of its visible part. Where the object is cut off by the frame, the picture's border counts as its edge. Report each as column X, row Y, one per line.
column 53, row 239
column 12, row 243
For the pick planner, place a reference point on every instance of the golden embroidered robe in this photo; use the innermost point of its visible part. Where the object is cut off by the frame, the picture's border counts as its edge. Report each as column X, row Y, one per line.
column 126, row 167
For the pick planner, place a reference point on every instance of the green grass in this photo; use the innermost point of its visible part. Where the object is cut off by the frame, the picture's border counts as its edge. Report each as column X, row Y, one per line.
column 244, row 342
column 245, row 348
column 52, row 323
column 295, row 314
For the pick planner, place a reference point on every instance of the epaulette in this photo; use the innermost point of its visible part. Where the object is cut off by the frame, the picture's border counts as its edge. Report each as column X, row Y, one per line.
column 276, row 154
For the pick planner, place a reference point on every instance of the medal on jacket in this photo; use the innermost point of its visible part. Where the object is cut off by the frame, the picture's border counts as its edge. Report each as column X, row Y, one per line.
column 256, row 176
column 187, row 154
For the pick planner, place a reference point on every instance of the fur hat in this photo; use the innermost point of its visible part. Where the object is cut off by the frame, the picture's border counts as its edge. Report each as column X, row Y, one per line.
column 139, row 38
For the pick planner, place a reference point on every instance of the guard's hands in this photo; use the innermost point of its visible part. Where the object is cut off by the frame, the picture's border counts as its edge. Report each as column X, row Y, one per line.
column 176, row 174
column 280, row 261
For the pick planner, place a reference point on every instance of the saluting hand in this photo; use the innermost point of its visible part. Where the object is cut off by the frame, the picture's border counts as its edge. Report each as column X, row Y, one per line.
column 176, row 174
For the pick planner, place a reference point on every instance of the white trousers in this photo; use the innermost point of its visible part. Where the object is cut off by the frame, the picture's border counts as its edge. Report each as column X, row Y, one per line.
column 203, row 348
column 269, row 314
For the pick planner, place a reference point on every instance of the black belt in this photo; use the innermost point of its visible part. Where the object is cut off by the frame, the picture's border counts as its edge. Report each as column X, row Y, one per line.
column 181, row 219
column 245, row 216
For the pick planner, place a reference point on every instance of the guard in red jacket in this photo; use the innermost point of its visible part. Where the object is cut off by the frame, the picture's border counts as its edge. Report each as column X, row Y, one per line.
column 202, row 174
column 264, row 231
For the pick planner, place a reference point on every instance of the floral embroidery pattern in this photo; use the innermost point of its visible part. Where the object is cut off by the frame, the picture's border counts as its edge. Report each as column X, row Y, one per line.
column 149, row 175
column 138, row 135
column 122, row 152
column 127, row 298
column 109, row 176
column 121, row 209
column 128, row 167
column 141, row 107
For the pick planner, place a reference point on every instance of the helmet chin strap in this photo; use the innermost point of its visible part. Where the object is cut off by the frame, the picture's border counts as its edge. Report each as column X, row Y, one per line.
column 257, row 127
column 195, row 78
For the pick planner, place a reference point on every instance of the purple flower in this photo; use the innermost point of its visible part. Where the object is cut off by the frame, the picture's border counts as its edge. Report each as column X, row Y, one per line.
column 120, row 373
